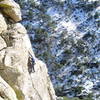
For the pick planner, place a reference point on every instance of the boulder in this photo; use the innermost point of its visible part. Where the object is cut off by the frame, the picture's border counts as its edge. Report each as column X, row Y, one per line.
column 11, row 9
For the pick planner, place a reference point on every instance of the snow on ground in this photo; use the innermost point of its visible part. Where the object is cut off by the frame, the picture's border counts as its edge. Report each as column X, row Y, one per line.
column 88, row 85
column 53, row 12
column 68, row 25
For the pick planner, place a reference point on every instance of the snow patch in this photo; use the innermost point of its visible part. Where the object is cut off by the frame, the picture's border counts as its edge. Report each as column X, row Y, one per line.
column 75, row 1
column 92, row 0
column 88, row 86
column 52, row 12
column 69, row 25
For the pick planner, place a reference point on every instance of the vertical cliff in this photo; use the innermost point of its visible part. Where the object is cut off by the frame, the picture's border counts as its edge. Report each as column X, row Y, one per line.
column 22, row 75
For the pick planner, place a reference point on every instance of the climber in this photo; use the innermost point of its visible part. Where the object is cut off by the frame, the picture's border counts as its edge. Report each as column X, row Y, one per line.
column 31, row 63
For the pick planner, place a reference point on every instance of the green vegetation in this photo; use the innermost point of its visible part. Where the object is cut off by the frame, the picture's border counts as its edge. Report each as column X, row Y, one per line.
column 81, row 47
column 63, row 62
column 96, row 15
column 21, row 3
column 51, row 24
column 65, row 98
column 89, row 6
column 57, row 65
column 32, row 3
column 29, row 26
column 30, row 13
column 68, row 52
column 45, row 17
column 40, row 35
column 76, row 98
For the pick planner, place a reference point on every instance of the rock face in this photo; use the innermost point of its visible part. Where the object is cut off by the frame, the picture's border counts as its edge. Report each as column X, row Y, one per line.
column 3, row 25
column 22, row 75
